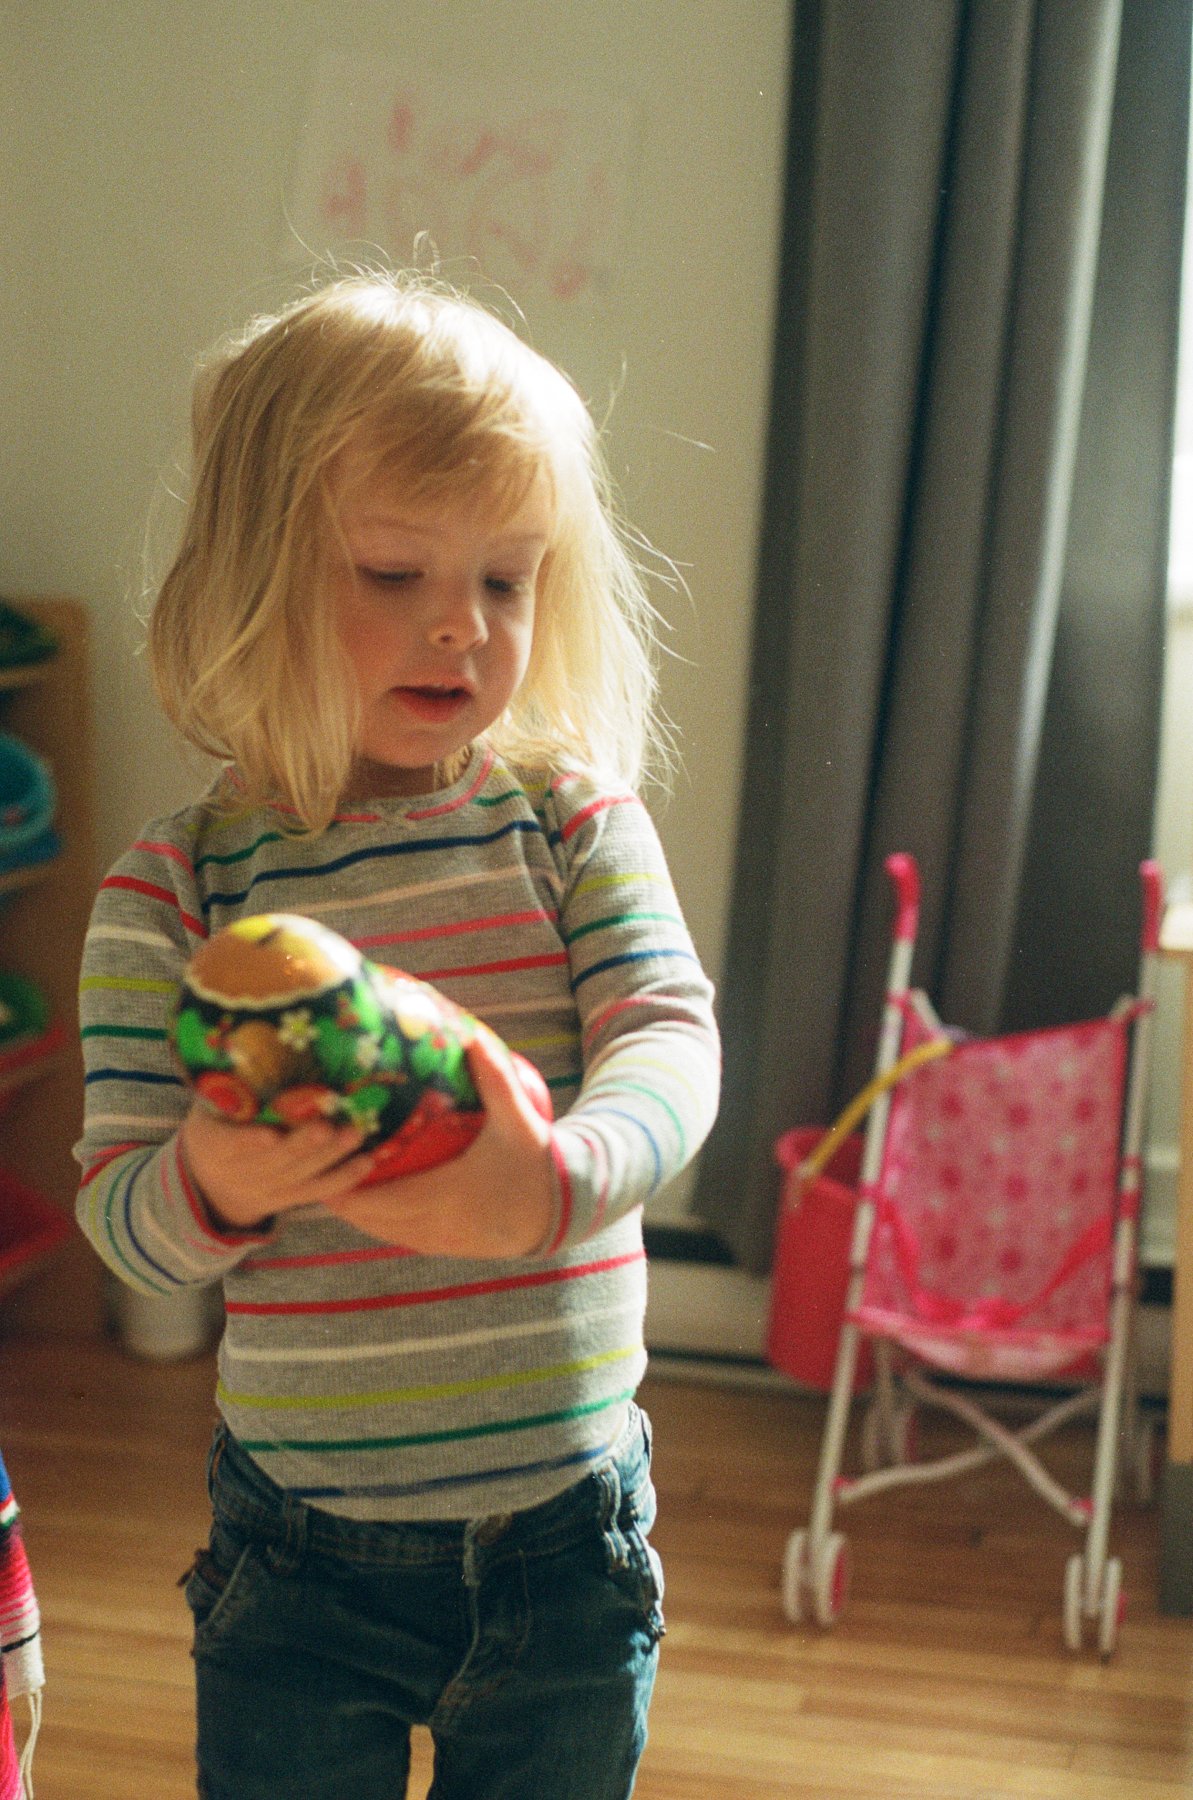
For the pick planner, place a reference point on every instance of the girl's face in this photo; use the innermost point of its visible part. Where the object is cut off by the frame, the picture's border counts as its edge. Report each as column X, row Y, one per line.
column 435, row 609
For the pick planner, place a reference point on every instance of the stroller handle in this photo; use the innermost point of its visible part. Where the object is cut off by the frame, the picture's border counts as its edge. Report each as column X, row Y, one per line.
column 906, row 879
column 1153, row 903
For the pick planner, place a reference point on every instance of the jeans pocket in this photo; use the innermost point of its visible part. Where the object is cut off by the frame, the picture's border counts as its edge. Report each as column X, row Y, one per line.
column 635, row 1564
column 218, row 1585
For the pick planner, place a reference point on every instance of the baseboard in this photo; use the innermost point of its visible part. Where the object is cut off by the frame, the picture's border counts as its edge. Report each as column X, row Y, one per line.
column 711, row 1313
column 705, row 1309
column 748, row 1373
column 1157, row 1231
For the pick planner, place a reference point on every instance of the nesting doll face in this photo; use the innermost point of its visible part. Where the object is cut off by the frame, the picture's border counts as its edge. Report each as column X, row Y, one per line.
column 280, row 1020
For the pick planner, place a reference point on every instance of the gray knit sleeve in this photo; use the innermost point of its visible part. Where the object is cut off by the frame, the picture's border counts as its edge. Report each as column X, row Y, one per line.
column 651, row 1050
column 137, row 1203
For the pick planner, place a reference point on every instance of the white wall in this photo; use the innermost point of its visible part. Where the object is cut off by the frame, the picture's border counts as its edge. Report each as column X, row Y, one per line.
column 147, row 148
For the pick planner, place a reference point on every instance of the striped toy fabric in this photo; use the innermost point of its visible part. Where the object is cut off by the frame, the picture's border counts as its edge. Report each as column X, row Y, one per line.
column 10, row 1768
column 370, row 1381
column 21, row 1667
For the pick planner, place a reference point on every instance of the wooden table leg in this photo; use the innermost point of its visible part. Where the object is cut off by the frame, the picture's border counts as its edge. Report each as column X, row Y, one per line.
column 1176, row 1531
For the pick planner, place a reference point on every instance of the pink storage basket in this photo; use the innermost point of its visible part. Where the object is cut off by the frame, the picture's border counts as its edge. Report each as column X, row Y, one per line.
column 811, row 1264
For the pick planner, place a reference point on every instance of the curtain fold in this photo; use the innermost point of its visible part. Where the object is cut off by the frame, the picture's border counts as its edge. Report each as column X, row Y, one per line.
column 958, row 233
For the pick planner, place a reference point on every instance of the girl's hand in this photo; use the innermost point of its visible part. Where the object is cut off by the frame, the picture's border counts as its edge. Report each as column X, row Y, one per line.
column 247, row 1173
column 495, row 1200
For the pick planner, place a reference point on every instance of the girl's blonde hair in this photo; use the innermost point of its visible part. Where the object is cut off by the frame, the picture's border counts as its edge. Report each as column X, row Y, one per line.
column 410, row 380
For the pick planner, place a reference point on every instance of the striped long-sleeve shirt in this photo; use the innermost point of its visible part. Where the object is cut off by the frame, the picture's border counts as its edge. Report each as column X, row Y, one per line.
column 371, row 1381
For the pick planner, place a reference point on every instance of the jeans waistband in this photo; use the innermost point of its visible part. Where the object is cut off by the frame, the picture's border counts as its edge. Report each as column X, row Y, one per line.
column 618, row 1488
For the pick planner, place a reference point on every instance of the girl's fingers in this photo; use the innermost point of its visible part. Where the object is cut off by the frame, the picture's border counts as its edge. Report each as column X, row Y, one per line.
column 300, row 1166
column 497, row 1083
column 316, row 1147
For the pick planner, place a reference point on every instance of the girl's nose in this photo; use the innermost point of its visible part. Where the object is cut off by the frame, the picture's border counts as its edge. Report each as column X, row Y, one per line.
column 459, row 620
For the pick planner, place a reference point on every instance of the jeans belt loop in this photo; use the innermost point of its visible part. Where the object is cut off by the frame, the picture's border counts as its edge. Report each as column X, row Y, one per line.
column 297, row 1522
column 491, row 1527
column 610, row 1480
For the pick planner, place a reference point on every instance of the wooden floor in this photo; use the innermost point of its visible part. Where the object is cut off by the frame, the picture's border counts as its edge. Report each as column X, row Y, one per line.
column 946, row 1679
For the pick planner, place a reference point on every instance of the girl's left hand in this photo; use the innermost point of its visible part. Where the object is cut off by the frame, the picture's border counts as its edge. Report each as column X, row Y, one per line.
column 494, row 1200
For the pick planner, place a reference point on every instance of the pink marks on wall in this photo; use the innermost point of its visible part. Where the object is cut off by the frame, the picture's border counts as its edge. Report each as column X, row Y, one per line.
column 527, row 196
column 345, row 198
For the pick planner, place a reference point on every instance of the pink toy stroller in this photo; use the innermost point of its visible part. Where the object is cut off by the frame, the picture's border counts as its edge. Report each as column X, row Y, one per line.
column 994, row 1240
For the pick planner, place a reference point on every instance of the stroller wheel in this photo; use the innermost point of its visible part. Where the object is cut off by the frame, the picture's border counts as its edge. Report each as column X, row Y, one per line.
column 830, row 1579
column 795, row 1559
column 794, row 1575
column 1074, row 1583
column 1113, row 1607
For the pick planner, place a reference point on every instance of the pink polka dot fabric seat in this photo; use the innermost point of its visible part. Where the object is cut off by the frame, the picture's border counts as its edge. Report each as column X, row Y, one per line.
column 992, row 1244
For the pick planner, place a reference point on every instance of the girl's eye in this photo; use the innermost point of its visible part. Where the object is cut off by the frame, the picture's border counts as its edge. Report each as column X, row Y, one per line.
column 507, row 584
column 389, row 577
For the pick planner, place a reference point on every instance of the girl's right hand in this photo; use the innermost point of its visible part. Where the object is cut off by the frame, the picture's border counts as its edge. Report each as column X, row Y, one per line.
column 248, row 1173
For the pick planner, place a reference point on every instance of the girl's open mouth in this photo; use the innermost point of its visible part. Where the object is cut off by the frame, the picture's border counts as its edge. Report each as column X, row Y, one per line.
column 434, row 703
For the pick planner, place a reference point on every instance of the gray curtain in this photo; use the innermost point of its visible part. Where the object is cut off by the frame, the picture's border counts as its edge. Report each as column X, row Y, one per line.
column 959, row 621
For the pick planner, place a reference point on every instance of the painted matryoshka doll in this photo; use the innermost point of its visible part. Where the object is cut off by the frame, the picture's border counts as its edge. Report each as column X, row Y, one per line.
column 279, row 1020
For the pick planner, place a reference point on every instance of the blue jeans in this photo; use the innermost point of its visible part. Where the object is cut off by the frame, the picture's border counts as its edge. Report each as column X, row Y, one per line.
column 526, row 1642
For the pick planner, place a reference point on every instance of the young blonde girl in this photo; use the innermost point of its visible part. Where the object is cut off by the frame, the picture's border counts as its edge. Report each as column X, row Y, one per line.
column 404, row 615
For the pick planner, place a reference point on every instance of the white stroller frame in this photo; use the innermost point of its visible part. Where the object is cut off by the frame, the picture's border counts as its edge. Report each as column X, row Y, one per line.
column 815, row 1576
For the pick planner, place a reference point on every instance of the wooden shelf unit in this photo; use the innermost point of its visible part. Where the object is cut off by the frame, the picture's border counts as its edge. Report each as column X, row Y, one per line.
column 43, row 919
column 16, row 879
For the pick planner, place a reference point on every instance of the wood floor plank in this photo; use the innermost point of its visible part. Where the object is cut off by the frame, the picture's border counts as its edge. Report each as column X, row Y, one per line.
column 945, row 1680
